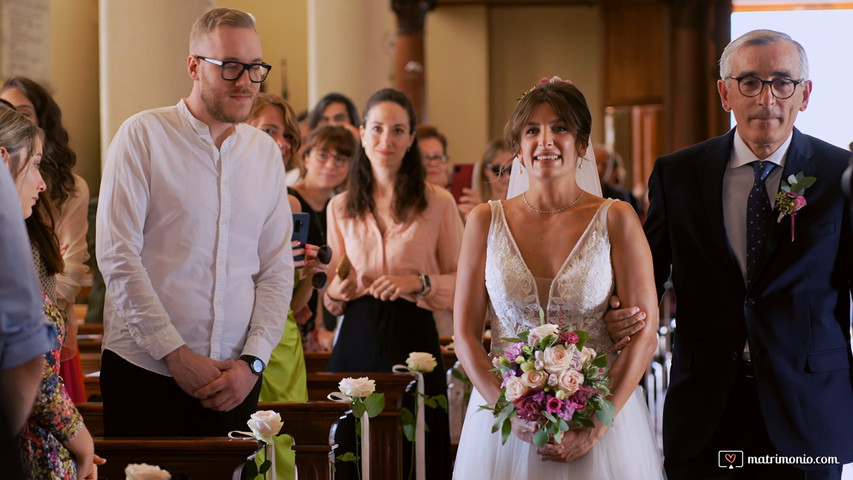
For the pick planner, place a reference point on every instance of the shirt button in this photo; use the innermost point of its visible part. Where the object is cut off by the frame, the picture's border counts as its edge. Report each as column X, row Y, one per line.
column 218, row 303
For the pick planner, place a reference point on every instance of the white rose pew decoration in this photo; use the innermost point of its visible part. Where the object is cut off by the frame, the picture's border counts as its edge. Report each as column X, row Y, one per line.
column 143, row 471
column 414, row 424
column 265, row 424
column 366, row 404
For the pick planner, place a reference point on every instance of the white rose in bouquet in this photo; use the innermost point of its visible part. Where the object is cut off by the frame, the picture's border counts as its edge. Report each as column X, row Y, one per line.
column 143, row 471
column 357, row 387
column 421, row 362
column 265, row 424
column 515, row 388
column 534, row 379
column 540, row 332
column 588, row 355
column 557, row 359
column 570, row 381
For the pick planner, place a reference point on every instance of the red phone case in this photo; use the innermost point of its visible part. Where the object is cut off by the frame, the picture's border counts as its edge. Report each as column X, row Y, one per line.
column 462, row 178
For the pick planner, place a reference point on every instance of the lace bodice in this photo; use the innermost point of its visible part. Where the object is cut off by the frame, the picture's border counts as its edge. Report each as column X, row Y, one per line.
column 579, row 293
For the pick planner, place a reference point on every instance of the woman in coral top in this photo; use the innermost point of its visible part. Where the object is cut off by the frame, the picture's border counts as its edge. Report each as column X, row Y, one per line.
column 402, row 237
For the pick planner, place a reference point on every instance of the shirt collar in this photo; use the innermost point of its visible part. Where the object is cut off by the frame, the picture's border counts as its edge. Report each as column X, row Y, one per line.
column 742, row 155
column 200, row 127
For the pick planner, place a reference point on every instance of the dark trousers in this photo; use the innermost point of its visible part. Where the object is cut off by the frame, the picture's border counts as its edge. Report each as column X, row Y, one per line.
column 742, row 429
column 138, row 402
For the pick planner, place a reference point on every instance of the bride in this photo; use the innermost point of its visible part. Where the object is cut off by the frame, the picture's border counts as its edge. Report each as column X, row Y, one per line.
column 565, row 250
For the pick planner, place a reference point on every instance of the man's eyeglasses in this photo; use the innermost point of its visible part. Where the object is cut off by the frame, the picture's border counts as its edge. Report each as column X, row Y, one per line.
column 499, row 170
column 780, row 87
column 435, row 158
column 232, row 70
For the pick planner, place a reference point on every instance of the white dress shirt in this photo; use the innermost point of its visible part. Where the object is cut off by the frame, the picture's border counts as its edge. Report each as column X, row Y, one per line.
column 737, row 183
column 193, row 241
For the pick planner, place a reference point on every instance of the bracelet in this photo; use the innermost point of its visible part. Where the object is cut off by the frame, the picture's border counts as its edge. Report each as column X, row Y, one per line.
column 423, row 284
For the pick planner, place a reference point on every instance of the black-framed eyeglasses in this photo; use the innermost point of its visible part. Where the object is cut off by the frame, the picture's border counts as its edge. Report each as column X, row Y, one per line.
column 435, row 158
column 232, row 70
column 780, row 87
column 499, row 170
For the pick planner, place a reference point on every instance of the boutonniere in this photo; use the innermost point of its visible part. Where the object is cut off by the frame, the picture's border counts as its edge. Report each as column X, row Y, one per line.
column 790, row 200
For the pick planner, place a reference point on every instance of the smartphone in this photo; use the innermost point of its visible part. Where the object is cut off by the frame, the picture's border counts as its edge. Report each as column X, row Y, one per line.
column 462, row 178
column 300, row 231
column 344, row 267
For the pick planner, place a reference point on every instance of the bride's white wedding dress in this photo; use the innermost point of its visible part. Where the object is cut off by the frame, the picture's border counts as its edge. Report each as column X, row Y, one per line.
column 577, row 297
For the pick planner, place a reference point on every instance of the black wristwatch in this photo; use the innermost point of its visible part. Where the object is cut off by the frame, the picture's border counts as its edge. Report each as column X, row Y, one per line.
column 256, row 365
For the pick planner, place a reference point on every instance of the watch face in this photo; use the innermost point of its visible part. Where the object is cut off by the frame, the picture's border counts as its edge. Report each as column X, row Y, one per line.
column 257, row 365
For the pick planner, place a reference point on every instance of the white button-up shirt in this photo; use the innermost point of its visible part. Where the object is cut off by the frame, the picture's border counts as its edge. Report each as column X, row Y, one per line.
column 193, row 241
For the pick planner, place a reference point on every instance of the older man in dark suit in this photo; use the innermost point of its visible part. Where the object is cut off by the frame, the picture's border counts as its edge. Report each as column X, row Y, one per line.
column 761, row 366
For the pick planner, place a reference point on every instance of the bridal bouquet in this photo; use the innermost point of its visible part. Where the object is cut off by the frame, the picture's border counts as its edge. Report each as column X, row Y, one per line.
column 550, row 378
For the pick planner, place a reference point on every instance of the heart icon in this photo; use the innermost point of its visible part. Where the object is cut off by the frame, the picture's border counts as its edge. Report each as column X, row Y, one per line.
column 731, row 457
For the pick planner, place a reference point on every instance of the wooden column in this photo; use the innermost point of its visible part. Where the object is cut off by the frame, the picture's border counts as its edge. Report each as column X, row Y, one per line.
column 692, row 113
column 409, row 51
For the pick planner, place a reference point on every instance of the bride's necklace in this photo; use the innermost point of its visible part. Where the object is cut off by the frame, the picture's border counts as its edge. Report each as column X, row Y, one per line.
column 556, row 210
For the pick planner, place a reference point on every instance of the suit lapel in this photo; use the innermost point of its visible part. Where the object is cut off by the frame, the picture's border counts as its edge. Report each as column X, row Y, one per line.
column 798, row 159
column 710, row 179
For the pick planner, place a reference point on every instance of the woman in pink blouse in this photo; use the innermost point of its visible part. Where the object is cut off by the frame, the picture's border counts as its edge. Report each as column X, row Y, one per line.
column 402, row 237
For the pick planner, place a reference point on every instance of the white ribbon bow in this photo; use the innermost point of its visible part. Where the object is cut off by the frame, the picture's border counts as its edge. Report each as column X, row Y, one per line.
column 420, row 453
column 365, row 433
column 269, row 449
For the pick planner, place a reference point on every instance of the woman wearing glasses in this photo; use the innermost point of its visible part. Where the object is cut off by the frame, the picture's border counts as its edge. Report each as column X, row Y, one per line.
column 402, row 237
column 327, row 159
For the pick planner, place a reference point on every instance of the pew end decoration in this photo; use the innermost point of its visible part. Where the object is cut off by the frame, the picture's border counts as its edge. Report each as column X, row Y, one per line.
column 414, row 424
column 550, row 378
column 366, row 404
column 143, row 471
column 264, row 425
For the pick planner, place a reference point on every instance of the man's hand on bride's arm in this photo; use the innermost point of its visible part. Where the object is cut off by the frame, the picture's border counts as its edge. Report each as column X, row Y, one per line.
column 623, row 322
column 523, row 429
column 576, row 443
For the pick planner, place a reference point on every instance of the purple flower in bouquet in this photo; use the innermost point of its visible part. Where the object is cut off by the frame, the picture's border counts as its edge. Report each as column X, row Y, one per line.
column 513, row 351
column 527, row 408
column 554, row 405
column 567, row 411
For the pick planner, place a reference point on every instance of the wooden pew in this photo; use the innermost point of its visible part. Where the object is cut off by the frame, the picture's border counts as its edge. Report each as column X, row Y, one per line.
column 190, row 457
column 319, row 361
column 386, row 434
column 312, row 426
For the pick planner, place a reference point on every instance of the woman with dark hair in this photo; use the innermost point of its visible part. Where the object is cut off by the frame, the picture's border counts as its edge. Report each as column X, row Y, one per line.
column 402, row 238
column 327, row 158
column 54, row 442
column 333, row 109
column 69, row 193
column 276, row 117
column 558, row 251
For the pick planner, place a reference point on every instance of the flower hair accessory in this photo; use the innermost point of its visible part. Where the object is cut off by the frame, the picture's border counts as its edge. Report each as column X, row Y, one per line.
column 544, row 80
column 790, row 200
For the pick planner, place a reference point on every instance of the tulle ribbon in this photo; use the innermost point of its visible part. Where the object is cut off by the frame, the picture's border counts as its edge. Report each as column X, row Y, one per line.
column 420, row 454
column 269, row 448
column 365, row 434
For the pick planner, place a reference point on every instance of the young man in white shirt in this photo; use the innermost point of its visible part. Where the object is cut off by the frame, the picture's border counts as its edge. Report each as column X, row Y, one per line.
column 193, row 239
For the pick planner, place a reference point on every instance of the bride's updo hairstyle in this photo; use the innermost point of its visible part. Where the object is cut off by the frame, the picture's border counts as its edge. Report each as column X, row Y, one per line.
column 567, row 101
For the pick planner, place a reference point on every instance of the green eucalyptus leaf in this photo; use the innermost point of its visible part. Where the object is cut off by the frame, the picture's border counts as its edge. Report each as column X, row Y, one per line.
column 375, row 403
column 605, row 414
column 506, row 429
column 583, row 337
column 540, row 438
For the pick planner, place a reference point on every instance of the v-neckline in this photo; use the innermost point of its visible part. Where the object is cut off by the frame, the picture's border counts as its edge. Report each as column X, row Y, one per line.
column 559, row 272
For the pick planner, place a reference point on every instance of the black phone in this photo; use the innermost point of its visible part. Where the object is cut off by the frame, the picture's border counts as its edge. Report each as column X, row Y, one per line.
column 300, row 231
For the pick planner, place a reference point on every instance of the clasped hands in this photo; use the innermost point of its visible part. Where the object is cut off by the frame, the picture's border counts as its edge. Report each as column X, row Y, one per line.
column 386, row 287
column 220, row 385
column 575, row 444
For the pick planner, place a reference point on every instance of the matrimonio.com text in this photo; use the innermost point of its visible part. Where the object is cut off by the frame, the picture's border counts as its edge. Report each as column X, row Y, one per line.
column 732, row 459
